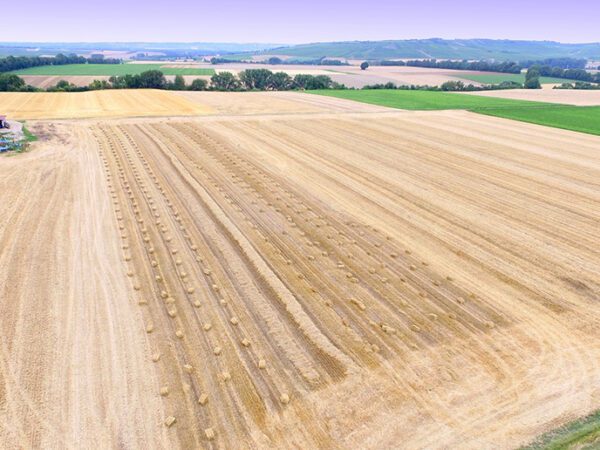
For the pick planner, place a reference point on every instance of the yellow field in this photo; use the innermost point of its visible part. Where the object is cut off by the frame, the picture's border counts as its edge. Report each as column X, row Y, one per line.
column 298, row 279
column 110, row 103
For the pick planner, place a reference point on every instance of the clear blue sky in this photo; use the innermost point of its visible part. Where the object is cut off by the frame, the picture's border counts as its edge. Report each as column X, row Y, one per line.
column 299, row 21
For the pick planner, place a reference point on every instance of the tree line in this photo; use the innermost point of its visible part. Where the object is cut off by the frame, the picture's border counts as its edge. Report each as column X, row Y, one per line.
column 448, row 86
column 567, row 68
column 480, row 66
column 563, row 63
column 13, row 63
column 247, row 80
column 570, row 74
column 266, row 80
column 579, row 85
column 274, row 60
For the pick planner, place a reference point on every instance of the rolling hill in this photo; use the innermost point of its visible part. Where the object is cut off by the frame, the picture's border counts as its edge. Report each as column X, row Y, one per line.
column 441, row 48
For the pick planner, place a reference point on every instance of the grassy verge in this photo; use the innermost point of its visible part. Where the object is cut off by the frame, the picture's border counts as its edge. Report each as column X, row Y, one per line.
column 582, row 434
column 109, row 69
column 28, row 135
column 585, row 119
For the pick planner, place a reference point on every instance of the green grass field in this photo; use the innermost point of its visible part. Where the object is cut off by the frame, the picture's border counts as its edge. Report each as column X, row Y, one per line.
column 425, row 100
column 497, row 78
column 582, row 434
column 108, row 70
column 585, row 119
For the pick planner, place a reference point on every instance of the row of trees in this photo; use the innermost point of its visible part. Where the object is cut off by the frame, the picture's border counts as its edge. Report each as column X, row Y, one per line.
column 307, row 62
column 568, row 68
column 265, row 80
column 570, row 74
column 275, row 60
column 12, row 63
column 481, row 66
column 532, row 78
column 449, row 86
column 248, row 80
column 563, row 63
column 579, row 85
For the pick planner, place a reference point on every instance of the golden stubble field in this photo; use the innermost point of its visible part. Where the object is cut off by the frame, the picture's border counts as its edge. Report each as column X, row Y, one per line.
column 328, row 279
column 95, row 104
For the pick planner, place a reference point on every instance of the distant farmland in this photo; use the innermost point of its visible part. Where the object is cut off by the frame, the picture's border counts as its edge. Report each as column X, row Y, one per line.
column 496, row 78
column 109, row 69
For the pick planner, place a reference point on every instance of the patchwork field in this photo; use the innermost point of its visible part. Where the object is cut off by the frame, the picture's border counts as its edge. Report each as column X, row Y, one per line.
column 496, row 78
column 351, row 76
column 400, row 75
column 289, row 272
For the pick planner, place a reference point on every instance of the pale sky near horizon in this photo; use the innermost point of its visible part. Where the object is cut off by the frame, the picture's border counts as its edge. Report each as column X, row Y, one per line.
column 278, row 21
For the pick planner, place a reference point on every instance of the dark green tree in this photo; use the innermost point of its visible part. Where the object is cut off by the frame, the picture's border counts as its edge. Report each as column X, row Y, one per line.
column 255, row 79
column 11, row 82
column 117, row 82
column 364, row 65
column 224, row 81
column 198, row 85
column 532, row 78
column 312, row 82
column 281, row 81
column 152, row 79
column 98, row 85
column 453, row 86
column 132, row 81
column 179, row 83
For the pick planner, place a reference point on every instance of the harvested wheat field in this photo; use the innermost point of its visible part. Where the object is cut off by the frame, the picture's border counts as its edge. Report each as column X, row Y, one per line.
column 565, row 96
column 401, row 75
column 370, row 280
column 46, row 81
column 275, row 103
column 109, row 103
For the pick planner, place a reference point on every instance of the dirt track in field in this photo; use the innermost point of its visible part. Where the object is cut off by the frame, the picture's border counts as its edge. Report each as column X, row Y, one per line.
column 327, row 279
